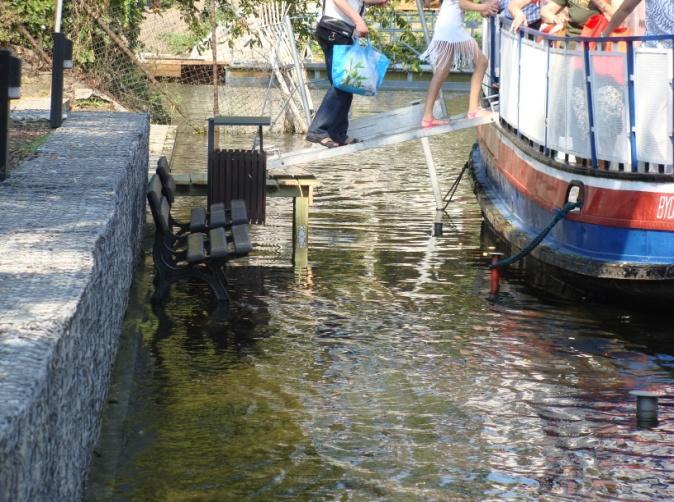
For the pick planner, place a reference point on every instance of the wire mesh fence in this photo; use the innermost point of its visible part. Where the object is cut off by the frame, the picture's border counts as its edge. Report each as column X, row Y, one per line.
column 179, row 67
column 183, row 73
column 182, row 67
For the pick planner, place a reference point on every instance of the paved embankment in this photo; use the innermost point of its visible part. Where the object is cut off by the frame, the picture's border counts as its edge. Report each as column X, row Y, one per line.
column 70, row 230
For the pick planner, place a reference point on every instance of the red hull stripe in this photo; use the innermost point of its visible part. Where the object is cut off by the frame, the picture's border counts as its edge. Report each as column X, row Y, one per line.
column 648, row 210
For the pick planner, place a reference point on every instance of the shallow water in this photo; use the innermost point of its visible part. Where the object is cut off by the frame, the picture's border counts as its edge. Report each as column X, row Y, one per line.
column 383, row 370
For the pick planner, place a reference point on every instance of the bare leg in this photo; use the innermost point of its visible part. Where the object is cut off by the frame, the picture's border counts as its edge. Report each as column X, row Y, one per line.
column 439, row 77
column 476, row 82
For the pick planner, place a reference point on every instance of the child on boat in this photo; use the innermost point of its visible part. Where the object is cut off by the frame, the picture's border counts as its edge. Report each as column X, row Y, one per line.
column 450, row 38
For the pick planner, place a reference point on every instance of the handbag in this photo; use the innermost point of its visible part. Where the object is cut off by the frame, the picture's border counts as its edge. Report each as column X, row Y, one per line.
column 333, row 30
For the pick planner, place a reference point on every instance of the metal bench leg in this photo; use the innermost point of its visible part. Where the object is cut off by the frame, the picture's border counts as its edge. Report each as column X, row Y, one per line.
column 218, row 270
column 216, row 286
column 161, row 288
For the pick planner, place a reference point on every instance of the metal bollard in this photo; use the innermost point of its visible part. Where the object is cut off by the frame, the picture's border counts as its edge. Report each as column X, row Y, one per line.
column 495, row 273
column 10, row 88
column 647, row 408
column 62, row 59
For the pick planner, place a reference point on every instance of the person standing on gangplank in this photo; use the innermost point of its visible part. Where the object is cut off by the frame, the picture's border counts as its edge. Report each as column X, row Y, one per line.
column 341, row 20
column 449, row 39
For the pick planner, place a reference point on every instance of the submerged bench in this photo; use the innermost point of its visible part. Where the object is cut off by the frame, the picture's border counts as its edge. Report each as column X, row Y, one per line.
column 200, row 218
column 185, row 254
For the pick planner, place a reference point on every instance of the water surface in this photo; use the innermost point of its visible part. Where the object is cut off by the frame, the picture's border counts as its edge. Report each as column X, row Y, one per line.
column 383, row 371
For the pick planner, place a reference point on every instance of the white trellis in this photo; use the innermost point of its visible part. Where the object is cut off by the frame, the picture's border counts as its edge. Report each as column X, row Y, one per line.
column 274, row 31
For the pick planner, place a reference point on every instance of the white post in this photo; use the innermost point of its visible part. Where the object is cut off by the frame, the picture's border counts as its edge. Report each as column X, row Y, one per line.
column 59, row 12
column 422, row 20
column 299, row 71
column 425, row 144
column 437, row 194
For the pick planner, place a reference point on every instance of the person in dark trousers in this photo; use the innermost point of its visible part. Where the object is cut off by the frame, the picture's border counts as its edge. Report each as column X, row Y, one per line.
column 341, row 20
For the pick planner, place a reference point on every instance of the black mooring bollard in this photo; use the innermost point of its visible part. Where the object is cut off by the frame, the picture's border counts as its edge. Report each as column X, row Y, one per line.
column 62, row 59
column 647, row 408
column 10, row 88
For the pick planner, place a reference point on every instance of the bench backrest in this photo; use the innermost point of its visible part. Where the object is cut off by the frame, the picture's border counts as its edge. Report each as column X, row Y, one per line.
column 159, row 206
column 167, row 181
column 154, row 190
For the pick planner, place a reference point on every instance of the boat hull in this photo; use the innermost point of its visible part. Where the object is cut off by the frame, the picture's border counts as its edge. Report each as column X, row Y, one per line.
column 620, row 243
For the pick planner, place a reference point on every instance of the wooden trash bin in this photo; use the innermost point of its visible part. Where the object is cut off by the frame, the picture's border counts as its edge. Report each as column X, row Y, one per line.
column 238, row 174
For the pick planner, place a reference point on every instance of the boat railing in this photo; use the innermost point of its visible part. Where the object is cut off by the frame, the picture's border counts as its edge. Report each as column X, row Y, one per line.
column 604, row 103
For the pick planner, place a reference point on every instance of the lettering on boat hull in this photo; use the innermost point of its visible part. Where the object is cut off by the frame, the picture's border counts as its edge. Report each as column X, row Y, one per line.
column 665, row 208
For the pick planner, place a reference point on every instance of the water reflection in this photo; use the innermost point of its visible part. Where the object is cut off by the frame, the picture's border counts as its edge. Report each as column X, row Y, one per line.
column 383, row 371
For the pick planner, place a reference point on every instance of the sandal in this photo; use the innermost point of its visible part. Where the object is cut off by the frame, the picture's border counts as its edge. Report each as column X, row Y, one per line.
column 480, row 112
column 327, row 141
column 426, row 123
column 351, row 141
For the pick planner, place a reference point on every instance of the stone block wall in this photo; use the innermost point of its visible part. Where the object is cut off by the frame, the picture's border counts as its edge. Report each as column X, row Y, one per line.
column 71, row 224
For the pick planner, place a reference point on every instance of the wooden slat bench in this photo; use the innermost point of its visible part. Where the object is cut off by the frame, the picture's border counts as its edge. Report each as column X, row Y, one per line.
column 200, row 218
column 201, row 254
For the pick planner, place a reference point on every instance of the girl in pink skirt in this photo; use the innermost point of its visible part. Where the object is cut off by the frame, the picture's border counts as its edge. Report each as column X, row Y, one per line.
column 449, row 39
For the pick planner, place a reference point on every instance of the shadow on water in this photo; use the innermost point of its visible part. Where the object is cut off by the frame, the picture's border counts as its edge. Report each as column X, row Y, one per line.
column 383, row 370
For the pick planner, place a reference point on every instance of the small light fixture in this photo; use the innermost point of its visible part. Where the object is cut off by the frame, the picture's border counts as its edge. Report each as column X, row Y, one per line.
column 67, row 54
column 14, row 87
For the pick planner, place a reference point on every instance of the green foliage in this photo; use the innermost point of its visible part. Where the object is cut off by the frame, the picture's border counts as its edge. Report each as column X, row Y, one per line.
column 234, row 15
column 37, row 16
column 392, row 32
column 181, row 43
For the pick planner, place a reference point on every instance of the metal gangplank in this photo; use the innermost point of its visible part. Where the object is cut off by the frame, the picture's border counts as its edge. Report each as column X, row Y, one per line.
column 376, row 131
column 385, row 129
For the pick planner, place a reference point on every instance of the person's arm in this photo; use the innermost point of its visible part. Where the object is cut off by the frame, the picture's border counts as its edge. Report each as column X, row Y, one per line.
column 489, row 8
column 550, row 12
column 519, row 19
column 623, row 11
column 605, row 8
column 345, row 7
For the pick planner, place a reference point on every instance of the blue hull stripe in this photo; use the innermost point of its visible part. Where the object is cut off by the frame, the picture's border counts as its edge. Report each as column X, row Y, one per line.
column 596, row 242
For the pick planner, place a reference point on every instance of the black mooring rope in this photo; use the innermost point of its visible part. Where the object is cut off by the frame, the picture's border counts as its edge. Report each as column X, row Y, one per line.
column 561, row 213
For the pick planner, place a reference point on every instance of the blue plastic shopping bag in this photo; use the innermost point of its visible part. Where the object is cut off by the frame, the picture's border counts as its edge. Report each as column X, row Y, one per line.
column 359, row 69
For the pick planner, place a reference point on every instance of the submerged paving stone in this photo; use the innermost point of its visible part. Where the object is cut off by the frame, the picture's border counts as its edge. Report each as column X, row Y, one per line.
column 70, row 234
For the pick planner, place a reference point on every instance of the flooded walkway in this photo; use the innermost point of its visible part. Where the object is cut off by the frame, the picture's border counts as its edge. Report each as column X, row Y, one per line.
column 382, row 371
